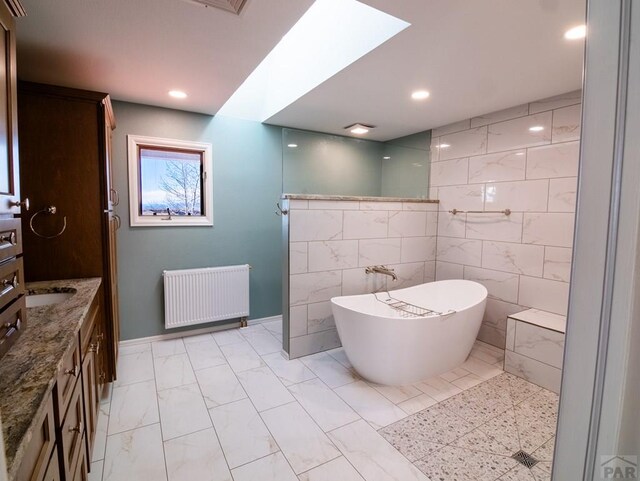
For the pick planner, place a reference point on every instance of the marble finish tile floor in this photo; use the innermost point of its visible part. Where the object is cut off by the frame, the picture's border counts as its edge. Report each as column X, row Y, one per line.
column 228, row 407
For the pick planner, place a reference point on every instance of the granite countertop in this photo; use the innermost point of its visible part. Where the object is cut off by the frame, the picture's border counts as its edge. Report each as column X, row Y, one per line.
column 357, row 198
column 28, row 371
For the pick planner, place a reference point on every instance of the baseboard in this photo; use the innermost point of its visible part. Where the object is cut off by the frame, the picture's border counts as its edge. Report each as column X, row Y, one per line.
column 195, row 332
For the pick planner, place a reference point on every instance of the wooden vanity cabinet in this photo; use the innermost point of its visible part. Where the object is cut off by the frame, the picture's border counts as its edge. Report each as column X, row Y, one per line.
column 36, row 464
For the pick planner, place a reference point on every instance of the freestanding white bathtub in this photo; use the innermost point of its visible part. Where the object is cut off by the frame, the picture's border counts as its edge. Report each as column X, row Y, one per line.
column 392, row 347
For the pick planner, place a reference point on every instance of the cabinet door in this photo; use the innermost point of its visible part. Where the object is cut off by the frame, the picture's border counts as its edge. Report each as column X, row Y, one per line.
column 9, row 170
column 111, row 296
column 53, row 471
column 90, row 395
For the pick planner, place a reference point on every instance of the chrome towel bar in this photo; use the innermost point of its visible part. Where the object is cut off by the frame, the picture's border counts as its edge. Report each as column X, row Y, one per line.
column 456, row 211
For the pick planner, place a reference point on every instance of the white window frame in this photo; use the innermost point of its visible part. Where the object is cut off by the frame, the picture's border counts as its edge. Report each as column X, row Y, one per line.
column 135, row 142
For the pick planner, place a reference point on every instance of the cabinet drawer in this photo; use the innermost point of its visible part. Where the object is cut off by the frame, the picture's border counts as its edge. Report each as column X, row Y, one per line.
column 53, row 471
column 36, row 457
column 72, row 443
column 10, row 238
column 12, row 322
column 11, row 281
column 86, row 330
column 67, row 379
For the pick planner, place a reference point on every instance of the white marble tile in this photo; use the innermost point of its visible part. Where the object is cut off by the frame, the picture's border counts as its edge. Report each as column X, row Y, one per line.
column 467, row 382
column 487, row 353
column 510, row 342
column 501, row 285
column 557, row 263
column 196, row 338
column 545, row 294
column 562, row 194
column 365, row 224
column 313, row 343
column 169, row 347
column 430, row 271
column 334, row 204
column 337, row 469
column 418, row 249
column 330, row 371
column 332, row 255
column 379, row 251
column 461, row 197
column 309, row 225
column 133, row 348
column 521, row 196
column 370, row 404
column 500, row 115
column 182, row 411
column 340, row 355
column 102, row 426
column 228, row 336
column 432, row 223
column 410, row 274
column 134, row 368
column 205, row 354
column 517, row 258
column 556, row 102
column 316, row 286
column 263, row 388
column 262, row 341
column 407, row 223
column 558, row 160
column 302, row 442
column 270, row 468
column 497, row 311
column 196, row 457
column 219, row 385
column 380, row 205
column 242, row 433
column 298, row 204
column 372, row 456
column 538, row 343
column 298, row 320
column 461, row 251
column 499, row 167
column 274, row 327
column 323, row 405
column 464, row 144
column 422, row 206
column 446, row 270
column 437, row 388
column 356, row 281
column 241, row 356
column 298, row 255
column 133, row 406
column 320, row 317
column 454, row 374
column 481, row 368
column 416, row 404
column 533, row 371
column 449, row 172
column 566, row 123
column 136, row 454
column 498, row 227
column 290, row 371
column 491, row 335
column 515, row 134
column 551, row 229
column 396, row 394
column 450, row 225
column 96, row 471
column 173, row 371
column 451, row 128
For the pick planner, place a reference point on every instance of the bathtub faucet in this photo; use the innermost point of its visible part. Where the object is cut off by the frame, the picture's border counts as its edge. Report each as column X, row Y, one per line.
column 381, row 270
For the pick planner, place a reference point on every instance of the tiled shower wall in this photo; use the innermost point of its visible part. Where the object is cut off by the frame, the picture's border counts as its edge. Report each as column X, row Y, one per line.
column 496, row 162
column 330, row 244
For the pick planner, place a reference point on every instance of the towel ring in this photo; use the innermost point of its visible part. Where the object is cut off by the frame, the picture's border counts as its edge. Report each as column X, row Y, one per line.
column 48, row 210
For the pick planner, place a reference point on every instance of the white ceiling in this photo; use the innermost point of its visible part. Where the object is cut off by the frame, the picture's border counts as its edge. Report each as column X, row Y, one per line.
column 473, row 56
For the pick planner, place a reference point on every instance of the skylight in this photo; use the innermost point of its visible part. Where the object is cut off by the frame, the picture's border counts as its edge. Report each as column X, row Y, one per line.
column 330, row 36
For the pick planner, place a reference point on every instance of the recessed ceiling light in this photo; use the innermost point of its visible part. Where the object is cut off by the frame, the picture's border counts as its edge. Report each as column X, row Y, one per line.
column 536, row 128
column 420, row 95
column 386, row 157
column 443, row 146
column 576, row 33
column 359, row 129
column 519, row 153
column 292, row 146
column 177, row 94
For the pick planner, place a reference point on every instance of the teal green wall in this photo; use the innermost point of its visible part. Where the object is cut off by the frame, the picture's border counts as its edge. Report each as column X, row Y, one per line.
column 406, row 172
column 247, row 182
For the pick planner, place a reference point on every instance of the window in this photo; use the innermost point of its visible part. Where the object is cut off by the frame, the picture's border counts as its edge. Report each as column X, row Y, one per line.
column 170, row 182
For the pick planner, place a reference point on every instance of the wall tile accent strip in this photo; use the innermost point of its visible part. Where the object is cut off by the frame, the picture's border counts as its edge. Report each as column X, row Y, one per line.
column 330, row 244
column 494, row 162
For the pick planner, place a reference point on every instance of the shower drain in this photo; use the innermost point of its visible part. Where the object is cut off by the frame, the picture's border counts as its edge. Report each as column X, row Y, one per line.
column 525, row 459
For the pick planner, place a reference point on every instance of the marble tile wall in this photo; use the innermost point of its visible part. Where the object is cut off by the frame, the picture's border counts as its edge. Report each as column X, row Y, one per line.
column 331, row 243
column 495, row 162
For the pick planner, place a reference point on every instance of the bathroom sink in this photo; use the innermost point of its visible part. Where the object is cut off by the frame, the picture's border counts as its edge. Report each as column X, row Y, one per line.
column 47, row 299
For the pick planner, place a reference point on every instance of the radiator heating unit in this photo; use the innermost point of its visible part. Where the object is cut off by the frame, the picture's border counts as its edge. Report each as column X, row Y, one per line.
column 198, row 296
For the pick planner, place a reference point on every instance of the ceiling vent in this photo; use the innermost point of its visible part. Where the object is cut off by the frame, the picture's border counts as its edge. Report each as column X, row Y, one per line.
column 233, row 6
